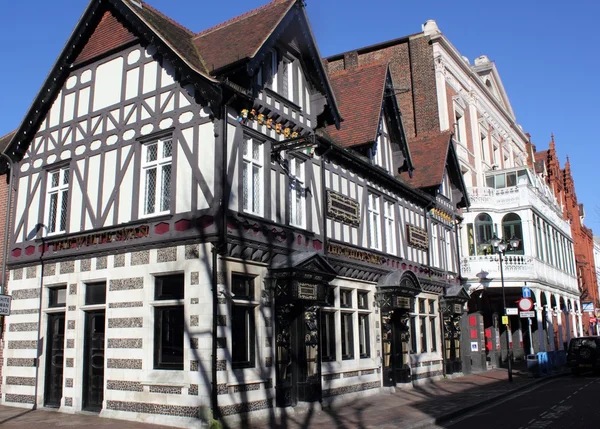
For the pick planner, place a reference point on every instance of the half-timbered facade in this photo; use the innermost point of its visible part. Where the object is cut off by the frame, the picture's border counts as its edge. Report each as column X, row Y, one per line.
column 203, row 228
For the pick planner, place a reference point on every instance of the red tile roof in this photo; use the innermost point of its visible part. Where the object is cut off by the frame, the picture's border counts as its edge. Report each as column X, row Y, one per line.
column 429, row 155
column 5, row 140
column 173, row 33
column 359, row 94
column 241, row 37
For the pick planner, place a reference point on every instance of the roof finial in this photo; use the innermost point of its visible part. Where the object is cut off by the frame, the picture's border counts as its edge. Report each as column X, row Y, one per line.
column 552, row 137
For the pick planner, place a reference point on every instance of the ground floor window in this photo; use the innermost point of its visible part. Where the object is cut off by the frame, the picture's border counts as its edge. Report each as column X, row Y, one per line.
column 327, row 336
column 169, row 328
column 347, row 336
column 363, row 335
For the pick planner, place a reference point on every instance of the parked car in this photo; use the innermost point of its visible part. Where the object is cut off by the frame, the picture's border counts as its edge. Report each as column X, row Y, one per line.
column 584, row 354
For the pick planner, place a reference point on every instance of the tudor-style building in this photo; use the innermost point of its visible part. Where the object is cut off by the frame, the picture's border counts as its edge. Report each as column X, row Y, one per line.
column 195, row 228
column 439, row 90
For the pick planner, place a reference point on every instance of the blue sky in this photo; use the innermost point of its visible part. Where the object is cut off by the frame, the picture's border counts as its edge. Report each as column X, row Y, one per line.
column 545, row 51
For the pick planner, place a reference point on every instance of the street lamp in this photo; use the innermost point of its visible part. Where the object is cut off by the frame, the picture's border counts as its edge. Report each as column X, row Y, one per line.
column 501, row 246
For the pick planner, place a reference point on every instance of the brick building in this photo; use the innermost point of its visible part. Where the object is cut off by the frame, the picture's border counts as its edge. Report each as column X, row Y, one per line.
column 440, row 90
column 563, row 185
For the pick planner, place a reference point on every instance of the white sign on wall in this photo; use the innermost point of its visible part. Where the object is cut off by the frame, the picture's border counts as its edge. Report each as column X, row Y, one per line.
column 5, row 305
column 474, row 346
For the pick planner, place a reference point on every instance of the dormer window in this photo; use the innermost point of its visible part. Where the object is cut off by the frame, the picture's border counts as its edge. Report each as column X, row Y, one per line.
column 267, row 75
column 382, row 151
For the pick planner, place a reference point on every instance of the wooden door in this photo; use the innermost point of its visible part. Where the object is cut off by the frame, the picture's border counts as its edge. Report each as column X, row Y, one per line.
column 54, row 360
column 93, row 361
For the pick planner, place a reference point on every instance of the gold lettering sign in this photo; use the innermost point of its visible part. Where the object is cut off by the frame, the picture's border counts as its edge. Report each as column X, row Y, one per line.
column 102, row 238
column 417, row 237
column 342, row 208
column 403, row 302
column 359, row 255
column 307, row 291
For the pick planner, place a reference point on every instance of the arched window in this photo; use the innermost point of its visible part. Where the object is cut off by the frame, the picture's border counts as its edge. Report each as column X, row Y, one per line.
column 484, row 228
column 511, row 226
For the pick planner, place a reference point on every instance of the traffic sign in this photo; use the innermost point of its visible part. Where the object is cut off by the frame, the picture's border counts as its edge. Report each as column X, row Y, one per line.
column 5, row 305
column 505, row 320
column 514, row 311
column 525, row 304
column 527, row 314
column 526, row 292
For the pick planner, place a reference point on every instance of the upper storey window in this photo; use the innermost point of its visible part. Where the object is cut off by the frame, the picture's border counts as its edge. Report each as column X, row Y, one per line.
column 382, row 150
column 445, row 189
column 58, row 199
column 282, row 73
column 252, row 176
column 297, row 193
column 156, row 170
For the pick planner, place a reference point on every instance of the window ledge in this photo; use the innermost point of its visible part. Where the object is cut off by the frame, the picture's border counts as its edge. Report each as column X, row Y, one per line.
column 153, row 383
column 167, row 302
column 247, row 382
column 93, row 307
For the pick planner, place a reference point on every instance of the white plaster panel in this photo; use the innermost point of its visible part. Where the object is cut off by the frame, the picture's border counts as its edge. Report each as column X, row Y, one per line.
column 150, row 72
column 107, row 85
column 183, row 199
column 273, row 199
column 65, row 154
column 76, row 203
column 147, row 129
column 185, row 117
column 110, row 174
column 132, row 83
column 86, row 76
column 183, row 99
column 166, row 74
column 71, row 82
column 93, row 185
column 283, row 201
column 317, row 200
column 33, row 213
column 126, row 188
column 165, row 123
column 83, row 105
column 133, row 57
column 56, row 110
column 128, row 135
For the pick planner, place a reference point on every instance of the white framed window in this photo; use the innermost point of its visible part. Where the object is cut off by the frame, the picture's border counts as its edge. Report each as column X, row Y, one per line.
column 390, row 227
column 484, row 146
column 58, row 199
column 300, row 88
column 157, row 157
column 287, row 79
column 445, row 186
column 252, row 176
column 297, row 192
column 374, row 222
column 460, row 131
column 271, row 71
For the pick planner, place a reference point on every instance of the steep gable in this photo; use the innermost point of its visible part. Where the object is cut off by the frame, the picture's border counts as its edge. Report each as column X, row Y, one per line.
column 240, row 38
column 359, row 92
column 110, row 34
column 488, row 73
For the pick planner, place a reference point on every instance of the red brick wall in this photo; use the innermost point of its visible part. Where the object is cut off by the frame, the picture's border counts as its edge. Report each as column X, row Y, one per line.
column 108, row 35
column 413, row 74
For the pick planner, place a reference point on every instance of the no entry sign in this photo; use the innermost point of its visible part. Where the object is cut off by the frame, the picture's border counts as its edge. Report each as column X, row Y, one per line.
column 525, row 304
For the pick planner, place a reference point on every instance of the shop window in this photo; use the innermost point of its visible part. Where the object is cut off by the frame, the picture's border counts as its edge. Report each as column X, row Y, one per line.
column 169, row 322
column 327, row 336
column 243, row 324
column 347, row 336
column 346, row 298
column 363, row 300
column 95, row 293
column 57, row 296
column 363, row 336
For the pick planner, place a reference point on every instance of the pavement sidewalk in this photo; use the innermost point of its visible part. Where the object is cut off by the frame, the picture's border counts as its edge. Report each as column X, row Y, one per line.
column 413, row 408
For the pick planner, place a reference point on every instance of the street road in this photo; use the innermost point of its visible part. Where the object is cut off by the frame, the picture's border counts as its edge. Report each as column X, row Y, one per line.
column 562, row 403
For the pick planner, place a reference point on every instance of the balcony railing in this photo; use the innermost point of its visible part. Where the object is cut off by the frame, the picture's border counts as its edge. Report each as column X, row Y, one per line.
column 515, row 197
column 517, row 267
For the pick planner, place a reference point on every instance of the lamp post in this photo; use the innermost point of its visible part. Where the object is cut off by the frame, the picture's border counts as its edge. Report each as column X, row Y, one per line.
column 501, row 246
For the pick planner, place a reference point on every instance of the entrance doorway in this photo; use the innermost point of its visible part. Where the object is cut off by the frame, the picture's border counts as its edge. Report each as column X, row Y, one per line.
column 93, row 361
column 298, row 368
column 54, row 360
column 396, row 347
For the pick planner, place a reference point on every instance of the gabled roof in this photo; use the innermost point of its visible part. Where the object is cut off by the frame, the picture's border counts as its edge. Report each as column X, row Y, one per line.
column 541, row 155
column 5, row 140
column 429, row 155
column 240, row 38
column 174, row 34
column 486, row 69
column 359, row 93
column 432, row 154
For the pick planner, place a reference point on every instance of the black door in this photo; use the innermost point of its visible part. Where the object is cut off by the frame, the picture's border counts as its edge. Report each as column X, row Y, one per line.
column 298, row 366
column 93, row 361
column 396, row 334
column 54, row 360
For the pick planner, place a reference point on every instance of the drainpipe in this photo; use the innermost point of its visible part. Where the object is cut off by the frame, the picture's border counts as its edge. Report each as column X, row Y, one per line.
column 6, row 228
column 324, row 198
column 213, row 390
